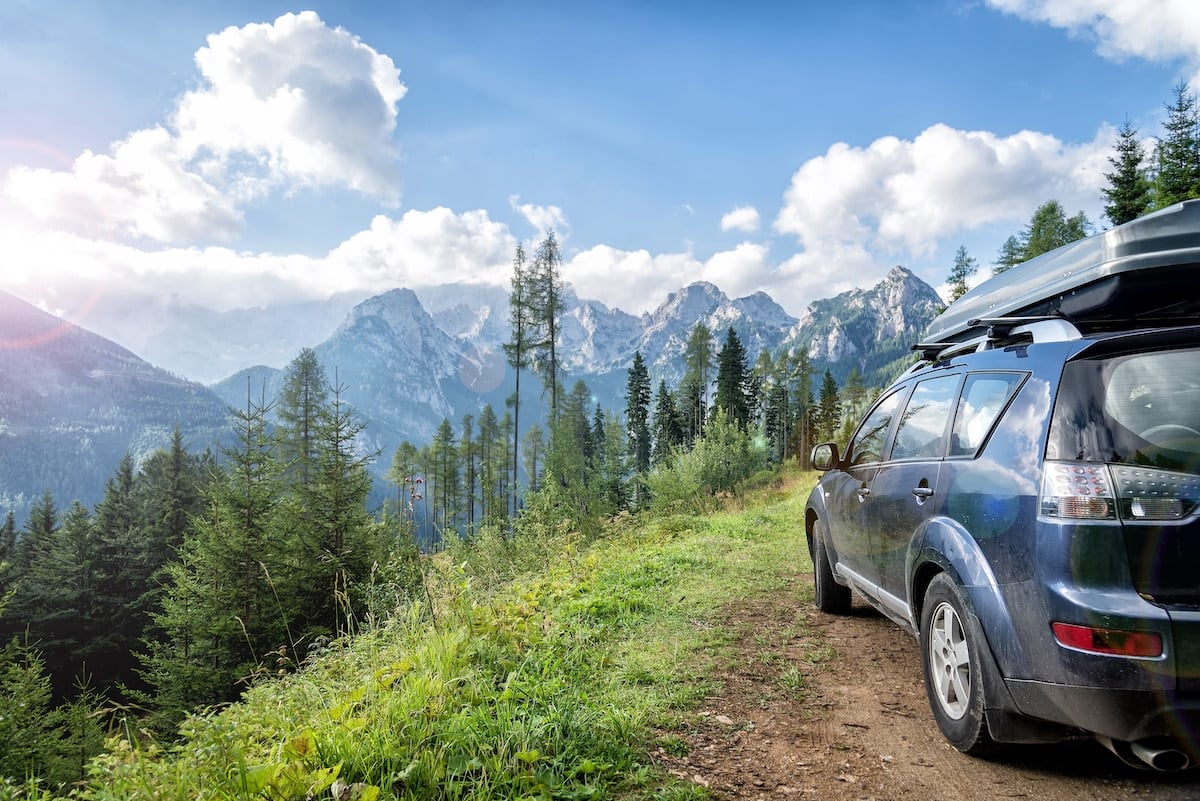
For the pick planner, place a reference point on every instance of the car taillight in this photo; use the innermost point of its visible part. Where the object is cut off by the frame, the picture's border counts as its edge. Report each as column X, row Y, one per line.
column 1108, row 641
column 1090, row 491
column 1147, row 494
column 1078, row 491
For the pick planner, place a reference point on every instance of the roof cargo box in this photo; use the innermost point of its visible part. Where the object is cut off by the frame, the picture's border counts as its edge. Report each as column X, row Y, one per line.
column 1138, row 275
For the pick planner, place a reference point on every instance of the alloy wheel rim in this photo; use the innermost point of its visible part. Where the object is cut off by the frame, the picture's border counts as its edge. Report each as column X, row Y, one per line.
column 949, row 661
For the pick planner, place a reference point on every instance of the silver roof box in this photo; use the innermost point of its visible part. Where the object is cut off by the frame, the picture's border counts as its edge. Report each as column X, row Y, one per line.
column 1083, row 281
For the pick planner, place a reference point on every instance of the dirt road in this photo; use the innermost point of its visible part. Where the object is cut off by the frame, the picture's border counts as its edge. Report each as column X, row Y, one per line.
column 814, row 706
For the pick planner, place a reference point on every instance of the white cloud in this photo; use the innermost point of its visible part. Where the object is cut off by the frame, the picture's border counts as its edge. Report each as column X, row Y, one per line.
column 423, row 248
column 143, row 190
column 314, row 105
column 293, row 103
column 542, row 218
column 857, row 211
column 1157, row 30
column 743, row 218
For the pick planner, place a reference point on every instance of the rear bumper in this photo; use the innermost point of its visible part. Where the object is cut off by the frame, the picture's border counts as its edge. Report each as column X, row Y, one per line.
column 1123, row 715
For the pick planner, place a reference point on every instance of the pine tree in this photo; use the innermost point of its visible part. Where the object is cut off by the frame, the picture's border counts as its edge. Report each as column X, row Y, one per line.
column 39, row 526
column 333, row 562
column 637, row 413
column 533, row 447
column 692, row 402
column 667, row 433
column 829, row 409
column 521, row 316
column 1050, row 228
column 1128, row 190
column 1178, row 153
column 8, row 552
column 56, row 603
column 732, row 379
column 1010, row 255
column 493, row 505
column 305, row 394
column 121, row 578
column 446, row 477
column 546, row 301
column 964, row 267
column 222, row 619
column 468, row 458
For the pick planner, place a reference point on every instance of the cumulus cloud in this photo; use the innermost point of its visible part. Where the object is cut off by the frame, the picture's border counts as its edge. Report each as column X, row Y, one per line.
column 899, row 199
column 311, row 104
column 542, row 218
column 423, row 248
column 143, row 190
column 1156, row 30
column 289, row 104
column 743, row 218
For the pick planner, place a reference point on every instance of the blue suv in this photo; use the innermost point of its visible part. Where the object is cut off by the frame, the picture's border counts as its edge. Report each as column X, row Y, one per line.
column 1025, row 500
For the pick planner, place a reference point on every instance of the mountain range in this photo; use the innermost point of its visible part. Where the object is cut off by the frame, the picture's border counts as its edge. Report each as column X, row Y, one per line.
column 72, row 403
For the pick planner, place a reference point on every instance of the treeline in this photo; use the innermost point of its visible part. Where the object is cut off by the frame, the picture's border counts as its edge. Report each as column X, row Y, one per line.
column 1143, row 179
column 469, row 477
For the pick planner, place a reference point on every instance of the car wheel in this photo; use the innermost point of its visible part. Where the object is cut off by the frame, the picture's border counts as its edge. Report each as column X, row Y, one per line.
column 829, row 595
column 954, row 673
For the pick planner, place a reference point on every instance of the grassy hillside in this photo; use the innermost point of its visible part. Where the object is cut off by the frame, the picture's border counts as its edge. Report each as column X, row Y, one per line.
column 546, row 669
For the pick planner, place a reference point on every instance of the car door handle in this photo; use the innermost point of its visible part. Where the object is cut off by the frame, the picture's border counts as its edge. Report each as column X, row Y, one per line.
column 923, row 492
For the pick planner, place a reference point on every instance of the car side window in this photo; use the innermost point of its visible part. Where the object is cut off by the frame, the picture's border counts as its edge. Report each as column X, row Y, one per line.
column 922, row 430
column 868, row 442
column 984, row 396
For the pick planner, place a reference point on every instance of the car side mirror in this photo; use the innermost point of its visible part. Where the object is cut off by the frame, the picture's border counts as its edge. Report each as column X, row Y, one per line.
column 824, row 456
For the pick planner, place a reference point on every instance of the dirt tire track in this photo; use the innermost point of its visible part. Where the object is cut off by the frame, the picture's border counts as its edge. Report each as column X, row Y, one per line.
column 816, row 706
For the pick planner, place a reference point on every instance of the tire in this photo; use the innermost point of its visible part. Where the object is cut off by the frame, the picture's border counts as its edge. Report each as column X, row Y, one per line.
column 951, row 639
column 829, row 596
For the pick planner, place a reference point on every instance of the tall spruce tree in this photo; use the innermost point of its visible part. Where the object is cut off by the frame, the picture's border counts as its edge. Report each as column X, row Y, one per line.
column 330, row 565
column 222, row 620
column 960, row 273
column 692, row 400
column 446, row 478
column 522, row 322
column 1177, row 155
column 301, row 402
column 470, row 474
column 732, row 380
column 546, row 301
column 1127, row 195
column 637, row 413
column 533, row 448
column 829, row 409
column 1009, row 256
column 667, row 433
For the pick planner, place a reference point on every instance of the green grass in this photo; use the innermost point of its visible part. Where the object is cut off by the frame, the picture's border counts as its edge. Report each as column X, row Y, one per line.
column 554, row 682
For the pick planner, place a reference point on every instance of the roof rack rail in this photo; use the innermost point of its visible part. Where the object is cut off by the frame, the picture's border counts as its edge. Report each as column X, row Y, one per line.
column 999, row 331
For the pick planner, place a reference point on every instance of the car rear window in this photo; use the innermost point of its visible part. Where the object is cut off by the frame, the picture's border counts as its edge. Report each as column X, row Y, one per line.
column 1141, row 409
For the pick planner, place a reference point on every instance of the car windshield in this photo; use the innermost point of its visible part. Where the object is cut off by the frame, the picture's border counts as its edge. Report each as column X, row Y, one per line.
column 1139, row 409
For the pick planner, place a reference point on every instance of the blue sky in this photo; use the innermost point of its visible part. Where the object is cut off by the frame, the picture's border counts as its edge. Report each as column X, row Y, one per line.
column 233, row 154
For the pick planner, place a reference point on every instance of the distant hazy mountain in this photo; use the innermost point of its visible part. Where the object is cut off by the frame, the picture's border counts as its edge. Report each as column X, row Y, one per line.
column 207, row 345
column 73, row 403
column 405, row 359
